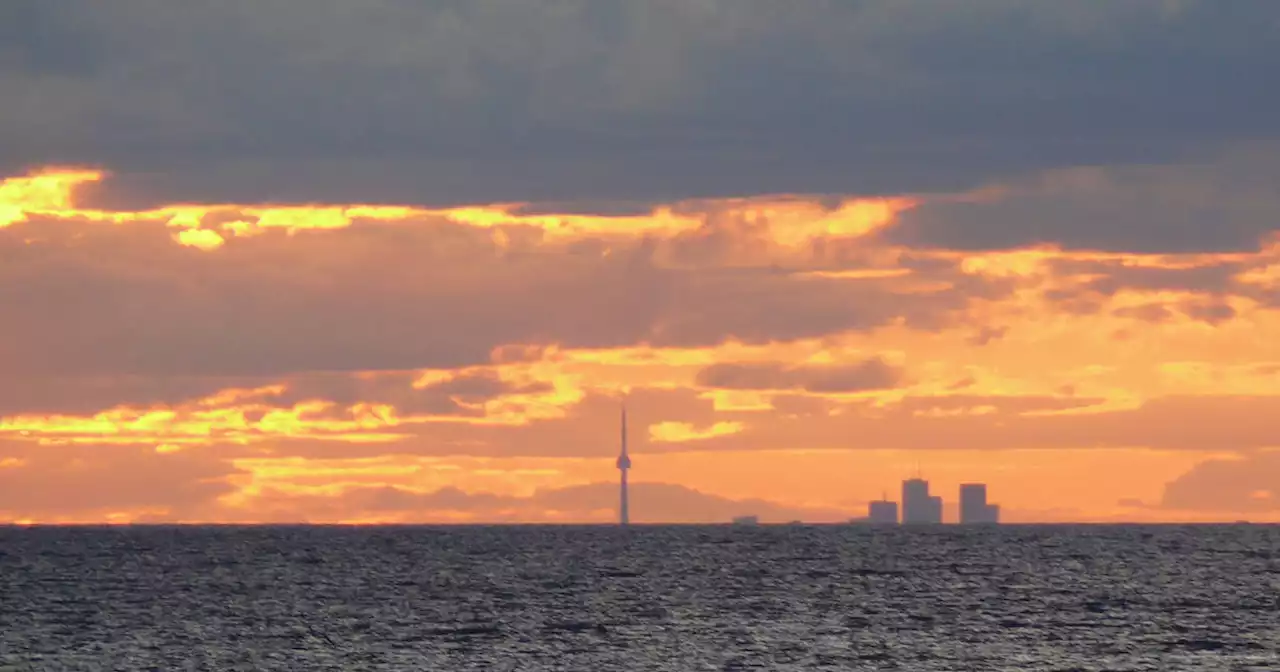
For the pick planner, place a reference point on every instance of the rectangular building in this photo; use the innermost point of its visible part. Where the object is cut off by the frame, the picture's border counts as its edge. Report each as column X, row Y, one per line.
column 935, row 510
column 974, row 508
column 918, row 507
column 882, row 512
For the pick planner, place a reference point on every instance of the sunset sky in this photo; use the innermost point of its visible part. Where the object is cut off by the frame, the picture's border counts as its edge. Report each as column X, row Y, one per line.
column 401, row 261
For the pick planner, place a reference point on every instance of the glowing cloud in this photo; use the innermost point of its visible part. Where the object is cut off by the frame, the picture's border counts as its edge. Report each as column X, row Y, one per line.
column 680, row 432
column 774, row 326
column 46, row 191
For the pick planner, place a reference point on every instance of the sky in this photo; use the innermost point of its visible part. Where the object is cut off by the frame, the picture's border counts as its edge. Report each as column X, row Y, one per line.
column 402, row 262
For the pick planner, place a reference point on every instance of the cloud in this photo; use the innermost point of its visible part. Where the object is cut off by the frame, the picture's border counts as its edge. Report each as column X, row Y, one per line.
column 1223, row 205
column 359, row 408
column 1247, row 484
column 1112, row 276
column 457, row 393
column 80, row 395
column 972, row 422
column 671, row 421
column 564, row 100
column 89, row 299
column 871, row 374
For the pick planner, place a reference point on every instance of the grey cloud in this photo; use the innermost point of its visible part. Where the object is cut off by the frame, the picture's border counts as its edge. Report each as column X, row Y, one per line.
column 1204, row 423
column 344, row 388
column 475, row 388
column 587, row 207
column 73, row 394
column 89, row 394
column 566, row 100
column 95, row 300
column 871, row 374
column 1248, row 484
column 987, row 335
column 1228, row 204
column 1147, row 312
column 395, row 388
column 1075, row 301
column 1109, row 278
column 40, row 42
column 1209, row 284
column 1212, row 312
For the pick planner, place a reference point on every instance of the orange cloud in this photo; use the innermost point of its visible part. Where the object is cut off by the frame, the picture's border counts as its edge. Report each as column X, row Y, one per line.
column 45, row 191
column 789, row 222
column 299, row 360
column 679, row 432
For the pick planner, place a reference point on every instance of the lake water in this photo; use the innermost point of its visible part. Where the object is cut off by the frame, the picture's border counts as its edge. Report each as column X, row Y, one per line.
column 645, row 598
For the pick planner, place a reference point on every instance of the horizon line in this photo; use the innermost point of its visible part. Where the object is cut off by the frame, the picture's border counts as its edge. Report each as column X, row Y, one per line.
column 857, row 524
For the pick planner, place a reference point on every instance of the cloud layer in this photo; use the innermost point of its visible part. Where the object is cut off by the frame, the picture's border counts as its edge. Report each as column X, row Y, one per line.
column 247, row 351
column 485, row 101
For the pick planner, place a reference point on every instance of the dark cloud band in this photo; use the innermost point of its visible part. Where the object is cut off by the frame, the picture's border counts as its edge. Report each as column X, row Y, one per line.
column 481, row 101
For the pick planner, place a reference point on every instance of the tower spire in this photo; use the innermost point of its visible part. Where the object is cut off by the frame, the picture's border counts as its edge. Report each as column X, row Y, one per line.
column 624, row 463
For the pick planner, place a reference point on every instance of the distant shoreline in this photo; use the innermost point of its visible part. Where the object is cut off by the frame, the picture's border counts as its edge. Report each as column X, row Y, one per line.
column 881, row 527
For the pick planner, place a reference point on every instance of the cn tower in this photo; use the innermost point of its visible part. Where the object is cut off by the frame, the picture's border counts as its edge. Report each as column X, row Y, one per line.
column 624, row 463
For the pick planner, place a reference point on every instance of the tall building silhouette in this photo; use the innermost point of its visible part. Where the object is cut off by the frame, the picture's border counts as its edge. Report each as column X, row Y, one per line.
column 974, row 508
column 918, row 507
column 883, row 512
column 624, row 464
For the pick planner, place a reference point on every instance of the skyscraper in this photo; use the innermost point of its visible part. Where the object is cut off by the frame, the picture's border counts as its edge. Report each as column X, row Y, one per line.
column 974, row 508
column 917, row 505
column 624, row 463
column 882, row 512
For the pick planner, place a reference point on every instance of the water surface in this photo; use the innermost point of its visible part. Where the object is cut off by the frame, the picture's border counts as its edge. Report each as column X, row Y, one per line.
column 645, row 598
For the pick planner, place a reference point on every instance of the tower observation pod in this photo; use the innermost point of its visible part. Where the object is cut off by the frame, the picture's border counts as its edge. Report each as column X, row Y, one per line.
column 624, row 464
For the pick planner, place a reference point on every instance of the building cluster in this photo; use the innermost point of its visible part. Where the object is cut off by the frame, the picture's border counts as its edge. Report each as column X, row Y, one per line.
column 919, row 507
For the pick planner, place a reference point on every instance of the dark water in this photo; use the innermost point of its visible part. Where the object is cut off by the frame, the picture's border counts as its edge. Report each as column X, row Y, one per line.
column 648, row 598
